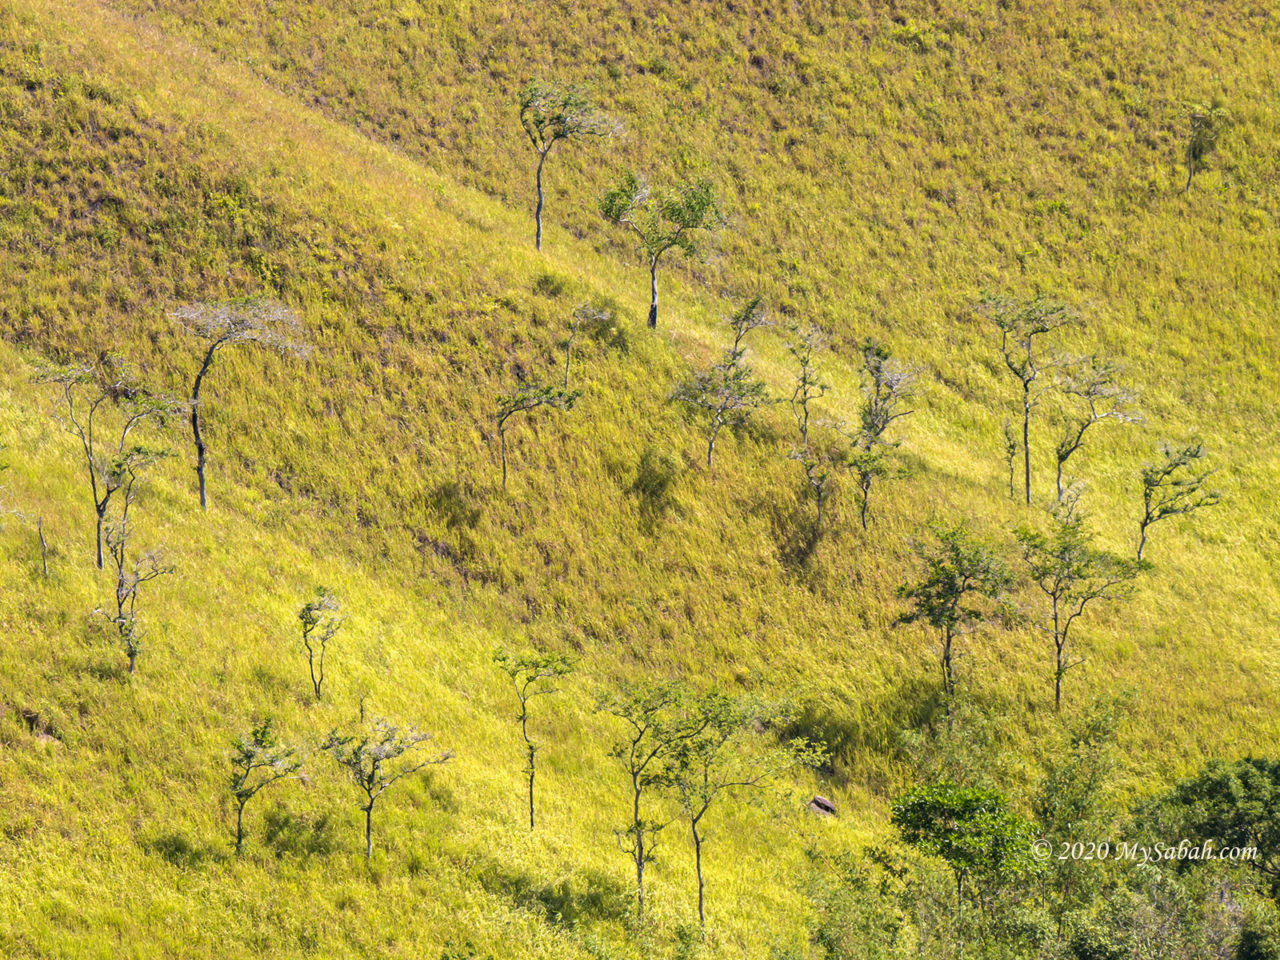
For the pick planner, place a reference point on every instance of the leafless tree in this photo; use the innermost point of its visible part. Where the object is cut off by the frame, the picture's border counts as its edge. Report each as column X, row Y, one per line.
column 320, row 619
column 1091, row 386
column 551, row 112
column 370, row 762
column 529, row 674
column 1023, row 325
column 1173, row 486
column 86, row 388
column 221, row 325
column 887, row 387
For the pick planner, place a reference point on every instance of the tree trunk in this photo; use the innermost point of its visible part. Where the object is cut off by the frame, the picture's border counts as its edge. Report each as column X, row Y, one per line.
column 239, row 829
column 133, row 661
column 195, row 422
column 368, row 832
column 531, row 775
column 948, row 679
column 1143, row 541
column 1026, row 438
column 100, row 540
column 503, row 434
column 697, row 861
column 653, row 293
column 537, row 216
column 44, row 548
column 639, row 828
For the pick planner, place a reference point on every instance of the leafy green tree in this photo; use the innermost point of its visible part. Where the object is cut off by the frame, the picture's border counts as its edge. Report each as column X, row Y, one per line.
column 656, row 725
column 1207, row 122
column 962, row 578
column 1022, row 325
column 726, row 758
column 255, row 320
column 370, row 760
column 524, row 399
column 1174, row 486
column 529, row 674
column 88, row 388
column 1072, row 574
column 728, row 392
column 1091, row 385
column 674, row 218
column 257, row 761
column 551, row 112
column 887, row 388
column 320, row 619
column 1234, row 804
column 972, row 829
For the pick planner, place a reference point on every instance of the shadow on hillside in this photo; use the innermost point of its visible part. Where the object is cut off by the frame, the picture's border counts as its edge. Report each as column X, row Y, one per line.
column 296, row 835
column 566, row 903
column 179, row 851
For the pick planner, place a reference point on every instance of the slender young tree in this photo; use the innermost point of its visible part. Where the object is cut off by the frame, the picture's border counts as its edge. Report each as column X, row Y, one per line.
column 130, row 573
column 370, row 760
column 320, row 619
column 526, row 398
column 887, row 387
column 551, row 112
column 656, row 726
column 1023, row 325
column 1072, row 574
column 677, row 218
column 1174, row 486
column 257, row 761
column 1091, row 385
column 1011, row 457
column 87, row 389
column 1207, row 122
column 223, row 325
column 963, row 578
column 728, row 392
column 814, row 459
column 530, row 674
column 726, row 758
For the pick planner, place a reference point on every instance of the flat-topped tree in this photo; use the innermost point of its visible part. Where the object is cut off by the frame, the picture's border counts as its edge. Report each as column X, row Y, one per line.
column 88, row 389
column 525, row 398
column 1173, row 486
column 371, row 761
column 728, row 392
column 221, row 325
column 1023, row 326
column 962, row 580
column 531, row 674
column 671, row 218
column 551, row 112
column 1092, row 388
column 257, row 761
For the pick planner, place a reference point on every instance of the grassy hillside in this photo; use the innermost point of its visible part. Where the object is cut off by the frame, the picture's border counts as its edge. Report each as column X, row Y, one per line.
column 363, row 163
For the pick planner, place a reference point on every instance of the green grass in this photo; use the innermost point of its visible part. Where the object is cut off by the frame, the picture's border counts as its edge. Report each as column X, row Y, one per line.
column 364, row 164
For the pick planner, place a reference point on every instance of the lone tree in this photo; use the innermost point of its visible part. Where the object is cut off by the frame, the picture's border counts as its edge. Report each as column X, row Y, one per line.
column 1090, row 385
column 1208, row 122
column 551, row 112
column 1173, row 486
column 727, row 392
column 524, row 399
column 886, row 390
column 530, row 674
column 257, row 761
column 972, row 829
column 224, row 325
column 130, row 574
column 963, row 578
column 320, row 619
column 1022, row 325
column 370, row 762
column 657, row 725
column 678, row 218
column 726, row 758
column 86, row 389
column 1072, row 574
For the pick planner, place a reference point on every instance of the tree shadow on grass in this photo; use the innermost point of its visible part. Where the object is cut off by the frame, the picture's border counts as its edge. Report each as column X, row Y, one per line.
column 588, row 896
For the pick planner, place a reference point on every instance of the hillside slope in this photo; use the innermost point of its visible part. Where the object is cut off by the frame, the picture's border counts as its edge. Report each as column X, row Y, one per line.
column 363, row 165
